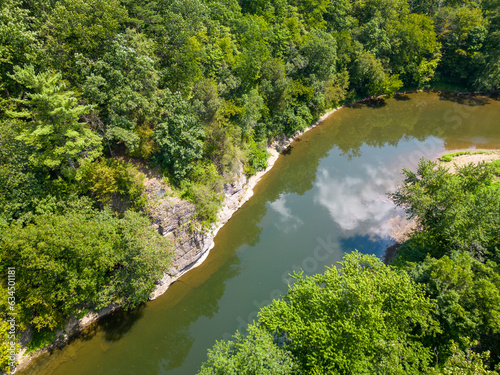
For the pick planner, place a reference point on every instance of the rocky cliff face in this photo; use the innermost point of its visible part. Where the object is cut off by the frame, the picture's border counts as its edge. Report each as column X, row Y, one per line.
column 175, row 218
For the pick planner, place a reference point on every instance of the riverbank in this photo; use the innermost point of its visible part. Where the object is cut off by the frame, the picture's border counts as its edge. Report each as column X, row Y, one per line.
column 236, row 194
column 241, row 190
column 475, row 157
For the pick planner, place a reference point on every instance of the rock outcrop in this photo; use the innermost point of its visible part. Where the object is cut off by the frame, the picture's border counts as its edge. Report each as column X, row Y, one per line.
column 176, row 219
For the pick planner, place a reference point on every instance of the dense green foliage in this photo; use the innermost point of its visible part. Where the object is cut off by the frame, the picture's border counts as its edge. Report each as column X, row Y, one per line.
column 467, row 293
column 75, row 258
column 91, row 89
column 363, row 318
column 60, row 142
column 254, row 353
column 436, row 313
column 456, row 212
column 5, row 354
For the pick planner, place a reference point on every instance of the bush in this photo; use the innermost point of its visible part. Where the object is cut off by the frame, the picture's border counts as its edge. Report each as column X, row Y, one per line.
column 362, row 318
column 147, row 146
column 205, row 189
column 257, row 158
column 79, row 258
column 5, row 353
column 255, row 353
column 496, row 167
column 109, row 179
column 454, row 211
column 40, row 339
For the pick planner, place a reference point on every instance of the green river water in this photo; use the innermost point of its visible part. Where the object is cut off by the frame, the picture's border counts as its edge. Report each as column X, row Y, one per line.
column 324, row 197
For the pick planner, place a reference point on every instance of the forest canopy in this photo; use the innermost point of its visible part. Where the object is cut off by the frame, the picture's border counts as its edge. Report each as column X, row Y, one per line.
column 92, row 92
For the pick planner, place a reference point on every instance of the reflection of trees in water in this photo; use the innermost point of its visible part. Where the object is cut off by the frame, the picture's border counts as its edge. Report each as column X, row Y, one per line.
column 372, row 123
column 379, row 127
column 114, row 326
column 120, row 322
column 424, row 115
column 201, row 301
column 178, row 341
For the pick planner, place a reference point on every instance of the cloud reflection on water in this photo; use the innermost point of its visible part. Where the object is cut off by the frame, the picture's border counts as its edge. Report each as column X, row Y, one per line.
column 287, row 221
column 359, row 204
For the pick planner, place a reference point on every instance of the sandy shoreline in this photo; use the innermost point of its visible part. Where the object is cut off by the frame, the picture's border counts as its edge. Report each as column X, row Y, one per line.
column 461, row 160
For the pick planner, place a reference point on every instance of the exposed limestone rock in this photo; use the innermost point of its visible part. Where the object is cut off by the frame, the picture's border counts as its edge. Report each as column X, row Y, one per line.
column 175, row 218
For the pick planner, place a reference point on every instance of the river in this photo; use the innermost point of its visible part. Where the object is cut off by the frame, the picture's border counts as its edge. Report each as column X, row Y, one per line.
column 324, row 197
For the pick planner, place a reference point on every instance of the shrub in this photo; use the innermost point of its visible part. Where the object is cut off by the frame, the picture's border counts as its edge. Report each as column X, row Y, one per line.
column 108, row 179
column 205, row 189
column 40, row 339
column 257, row 158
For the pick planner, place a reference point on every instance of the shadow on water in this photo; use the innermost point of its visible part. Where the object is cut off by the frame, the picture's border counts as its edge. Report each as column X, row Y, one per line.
column 114, row 326
column 287, row 151
column 401, row 97
column 376, row 103
column 370, row 103
column 495, row 95
column 468, row 99
column 118, row 323
column 203, row 301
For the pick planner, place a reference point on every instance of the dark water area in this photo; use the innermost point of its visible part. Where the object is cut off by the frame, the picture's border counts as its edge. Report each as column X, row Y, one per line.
column 324, row 198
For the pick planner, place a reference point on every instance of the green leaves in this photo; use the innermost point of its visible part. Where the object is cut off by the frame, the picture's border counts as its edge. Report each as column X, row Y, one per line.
column 81, row 26
column 459, row 217
column 179, row 135
column 368, row 318
column 362, row 318
column 369, row 77
column 6, row 350
column 462, row 30
column 113, row 182
column 205, row 189
column 455, row 212
column 201, row 86
column 416, row 51
column 52, row 127
column 123, row 83
column 467, row 294
column 78, row 258
column 466, row 362
column 320, row 52
column 254, row 353
column 18, row 43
